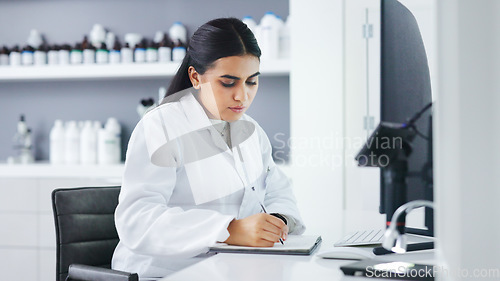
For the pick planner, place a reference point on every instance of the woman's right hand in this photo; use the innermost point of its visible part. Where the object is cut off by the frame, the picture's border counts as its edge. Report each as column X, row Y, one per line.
column 259, row 230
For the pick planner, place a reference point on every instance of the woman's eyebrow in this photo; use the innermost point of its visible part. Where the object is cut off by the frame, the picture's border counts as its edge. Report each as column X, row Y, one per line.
column 238, row 78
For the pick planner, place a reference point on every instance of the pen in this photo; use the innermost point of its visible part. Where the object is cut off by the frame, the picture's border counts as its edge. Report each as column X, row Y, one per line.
column 265, row 211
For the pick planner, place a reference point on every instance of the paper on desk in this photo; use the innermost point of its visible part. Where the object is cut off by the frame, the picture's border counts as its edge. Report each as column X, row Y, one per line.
column 294, row 245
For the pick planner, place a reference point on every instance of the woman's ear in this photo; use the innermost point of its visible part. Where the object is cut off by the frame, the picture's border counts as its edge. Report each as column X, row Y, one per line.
column 194, row 77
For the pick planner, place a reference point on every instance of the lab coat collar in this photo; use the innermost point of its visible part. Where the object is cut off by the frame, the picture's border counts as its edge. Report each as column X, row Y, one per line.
column 195, row 113
column 199, row 120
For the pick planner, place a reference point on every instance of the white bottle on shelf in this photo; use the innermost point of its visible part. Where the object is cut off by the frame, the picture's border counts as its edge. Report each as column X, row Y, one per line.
column 127, row 54
column 109, row 143
column 72, row 143
column 178, row 32
column 88, row 144
column 269, row 36
column 57, row 141
column 15, row 57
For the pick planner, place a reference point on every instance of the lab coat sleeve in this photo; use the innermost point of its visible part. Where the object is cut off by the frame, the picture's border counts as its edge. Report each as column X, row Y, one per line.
column 144, row 221
column 279, row 196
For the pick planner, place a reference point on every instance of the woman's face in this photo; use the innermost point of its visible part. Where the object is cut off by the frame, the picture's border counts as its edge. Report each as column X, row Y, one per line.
column 228, row 88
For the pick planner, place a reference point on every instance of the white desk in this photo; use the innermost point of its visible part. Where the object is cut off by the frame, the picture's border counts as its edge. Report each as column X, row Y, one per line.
column 252, row 267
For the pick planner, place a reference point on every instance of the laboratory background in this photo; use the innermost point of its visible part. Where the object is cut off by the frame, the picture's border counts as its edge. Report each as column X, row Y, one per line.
column 67, row 111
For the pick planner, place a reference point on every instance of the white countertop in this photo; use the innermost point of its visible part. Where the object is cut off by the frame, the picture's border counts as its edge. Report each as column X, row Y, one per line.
column 253, row 267
column 47, row 170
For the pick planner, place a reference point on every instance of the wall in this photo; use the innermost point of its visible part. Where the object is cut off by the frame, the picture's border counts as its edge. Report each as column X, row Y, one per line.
column 43, row 102
column 316, row 102
column 467, row 138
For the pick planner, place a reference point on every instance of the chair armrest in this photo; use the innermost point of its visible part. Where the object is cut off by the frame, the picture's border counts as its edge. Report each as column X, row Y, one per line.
column 94, row 273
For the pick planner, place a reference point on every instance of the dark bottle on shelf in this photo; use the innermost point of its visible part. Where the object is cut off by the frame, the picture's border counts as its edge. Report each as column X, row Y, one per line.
column 27, row 55
column 4, row 55
column 40, row 55
column 76, row 54
column 102, row 54
column 15, row 56
column 115, row 53
column 165, row 50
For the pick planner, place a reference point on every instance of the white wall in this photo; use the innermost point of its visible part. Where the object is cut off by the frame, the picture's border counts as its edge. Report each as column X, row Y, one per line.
column 316, row 112
column 467, row 138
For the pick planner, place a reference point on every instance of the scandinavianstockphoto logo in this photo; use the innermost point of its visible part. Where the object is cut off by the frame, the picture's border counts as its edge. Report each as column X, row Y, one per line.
column 336, row 151
column 406, row 270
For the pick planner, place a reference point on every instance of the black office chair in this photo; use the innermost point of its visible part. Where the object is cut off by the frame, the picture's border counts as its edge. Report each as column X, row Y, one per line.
column 86, row 234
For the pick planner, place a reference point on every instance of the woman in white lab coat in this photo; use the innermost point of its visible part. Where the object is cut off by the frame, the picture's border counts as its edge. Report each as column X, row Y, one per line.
column 197, row 168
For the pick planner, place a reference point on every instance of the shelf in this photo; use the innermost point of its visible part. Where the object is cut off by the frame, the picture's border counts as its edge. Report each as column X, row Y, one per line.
column 47, row 170
column 113, row 71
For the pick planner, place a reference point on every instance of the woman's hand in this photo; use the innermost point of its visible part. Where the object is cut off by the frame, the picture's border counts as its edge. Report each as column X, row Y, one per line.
column 259, row 230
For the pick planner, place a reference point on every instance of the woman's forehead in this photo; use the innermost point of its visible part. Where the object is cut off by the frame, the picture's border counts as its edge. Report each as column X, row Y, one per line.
column 239, row 66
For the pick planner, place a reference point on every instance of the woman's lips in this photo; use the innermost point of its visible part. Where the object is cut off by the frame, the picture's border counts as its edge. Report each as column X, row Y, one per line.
column 237, row 109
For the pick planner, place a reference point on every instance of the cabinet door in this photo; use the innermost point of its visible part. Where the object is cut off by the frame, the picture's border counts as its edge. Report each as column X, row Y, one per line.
column 18, row 213
column 362, row 107
column 19, row 264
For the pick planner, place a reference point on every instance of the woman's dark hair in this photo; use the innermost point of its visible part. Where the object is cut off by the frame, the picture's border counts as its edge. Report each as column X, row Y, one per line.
column 218, row 38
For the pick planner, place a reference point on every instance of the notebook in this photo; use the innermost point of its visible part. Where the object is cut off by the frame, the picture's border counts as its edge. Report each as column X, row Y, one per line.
column 294, row 245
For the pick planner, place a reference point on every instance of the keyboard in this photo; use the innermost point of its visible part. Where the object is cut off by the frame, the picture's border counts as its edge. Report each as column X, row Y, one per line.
column 363, row 237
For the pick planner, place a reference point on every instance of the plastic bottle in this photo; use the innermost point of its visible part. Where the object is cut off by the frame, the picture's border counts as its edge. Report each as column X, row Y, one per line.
column 115, row 54
column 127, row 55
column 165, row 50
column 133, row 39
column 53, row 55
column 102, row 55
column 269, row 36
column 88, row 52
column 139, row 53
column 35, row 39
column 57, row 141
column 178, row 32
column 89, row 55
column 26, row 156
column 97, row 35
column 72, row 143
column 27, row 55
column 76, row 55
column 250, row 22
column 19, row 139
column 179, row 51
column 110, row 40
column 64, row 54
column 4, row 56
column 15, row 56
column 88, row 144
column 109, row 143
column 40, row 56
column 152, row 52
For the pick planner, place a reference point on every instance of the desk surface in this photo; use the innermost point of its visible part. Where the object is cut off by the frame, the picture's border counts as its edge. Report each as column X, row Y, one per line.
column 251, row 267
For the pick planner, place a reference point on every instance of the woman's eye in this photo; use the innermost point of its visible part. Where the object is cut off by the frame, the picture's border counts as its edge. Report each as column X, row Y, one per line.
column 252, row 83
column 227, row 85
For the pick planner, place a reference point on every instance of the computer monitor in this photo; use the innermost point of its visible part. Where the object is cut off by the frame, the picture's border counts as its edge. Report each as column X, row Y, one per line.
column 405, row 90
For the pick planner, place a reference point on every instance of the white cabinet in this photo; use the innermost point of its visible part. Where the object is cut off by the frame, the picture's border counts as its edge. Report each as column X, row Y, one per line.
column 27, row 235
column 362, row 107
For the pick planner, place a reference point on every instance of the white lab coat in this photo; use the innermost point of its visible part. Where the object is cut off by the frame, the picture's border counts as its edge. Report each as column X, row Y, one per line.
column 177, row 200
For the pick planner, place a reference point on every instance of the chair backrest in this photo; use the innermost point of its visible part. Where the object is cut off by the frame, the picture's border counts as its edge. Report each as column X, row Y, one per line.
column 85, row 226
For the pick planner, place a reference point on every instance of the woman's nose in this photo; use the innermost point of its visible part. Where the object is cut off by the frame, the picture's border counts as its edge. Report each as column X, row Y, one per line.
column 241, row 94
